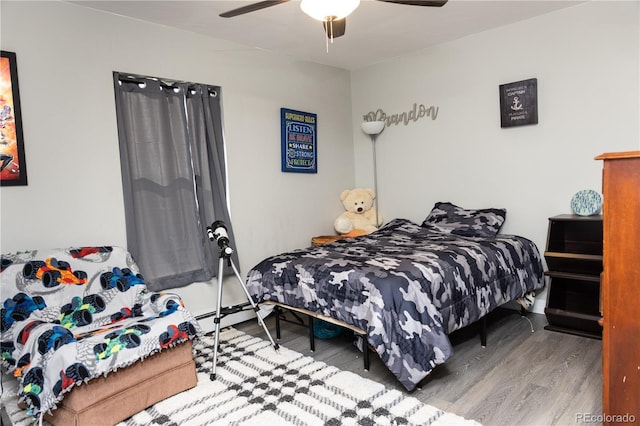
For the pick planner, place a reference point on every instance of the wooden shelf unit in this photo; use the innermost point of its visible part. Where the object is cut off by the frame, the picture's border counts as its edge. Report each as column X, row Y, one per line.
column 574, row 261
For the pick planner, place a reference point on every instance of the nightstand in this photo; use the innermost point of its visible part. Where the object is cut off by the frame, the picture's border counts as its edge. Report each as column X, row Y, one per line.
column 574, row 260
column 325, row 239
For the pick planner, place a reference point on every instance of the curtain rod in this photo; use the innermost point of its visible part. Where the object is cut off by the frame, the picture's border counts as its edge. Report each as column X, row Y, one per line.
column 140, row 79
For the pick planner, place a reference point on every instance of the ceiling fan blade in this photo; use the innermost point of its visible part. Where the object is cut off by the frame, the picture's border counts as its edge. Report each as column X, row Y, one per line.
column 338, row 27
column 251, row 8
column 430, row 3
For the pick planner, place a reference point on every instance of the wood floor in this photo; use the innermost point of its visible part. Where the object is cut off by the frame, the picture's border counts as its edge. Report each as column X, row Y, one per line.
column 521, row 378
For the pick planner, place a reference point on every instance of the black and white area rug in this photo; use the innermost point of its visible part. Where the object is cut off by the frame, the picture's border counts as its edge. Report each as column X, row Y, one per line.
column 260, row 386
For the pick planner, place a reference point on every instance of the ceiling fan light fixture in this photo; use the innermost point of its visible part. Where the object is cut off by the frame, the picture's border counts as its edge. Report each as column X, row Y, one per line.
column 328, row 10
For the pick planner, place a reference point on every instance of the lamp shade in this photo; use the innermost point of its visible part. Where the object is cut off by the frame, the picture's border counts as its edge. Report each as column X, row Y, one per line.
column 373, row 127
column 328, row 10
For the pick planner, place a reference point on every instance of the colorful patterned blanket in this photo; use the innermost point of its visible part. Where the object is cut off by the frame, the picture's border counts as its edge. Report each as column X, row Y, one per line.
column 406, row 285
column 71, row 315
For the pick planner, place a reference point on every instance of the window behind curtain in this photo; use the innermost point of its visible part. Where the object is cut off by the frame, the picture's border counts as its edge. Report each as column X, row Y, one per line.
column 173, row 176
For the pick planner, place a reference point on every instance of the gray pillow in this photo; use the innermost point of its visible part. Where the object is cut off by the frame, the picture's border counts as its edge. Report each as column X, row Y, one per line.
column 450, row 219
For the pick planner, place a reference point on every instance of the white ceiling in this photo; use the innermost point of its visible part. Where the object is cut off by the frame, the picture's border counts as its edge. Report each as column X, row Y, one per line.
column 376, row 31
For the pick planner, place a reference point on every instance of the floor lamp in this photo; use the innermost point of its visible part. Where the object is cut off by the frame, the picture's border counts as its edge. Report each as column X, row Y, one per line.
column 373, row 129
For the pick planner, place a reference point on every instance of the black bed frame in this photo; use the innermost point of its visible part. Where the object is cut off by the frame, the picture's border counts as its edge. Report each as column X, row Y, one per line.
column 279, row 310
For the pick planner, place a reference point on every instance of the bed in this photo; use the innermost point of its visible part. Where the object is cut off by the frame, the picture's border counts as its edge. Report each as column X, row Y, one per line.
column 408, row 286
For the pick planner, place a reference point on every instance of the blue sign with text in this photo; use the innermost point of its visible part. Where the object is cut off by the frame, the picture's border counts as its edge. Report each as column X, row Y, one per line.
column 299, row 141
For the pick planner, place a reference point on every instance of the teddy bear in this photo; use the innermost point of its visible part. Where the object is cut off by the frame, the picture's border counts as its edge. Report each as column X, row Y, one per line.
column 360, row 216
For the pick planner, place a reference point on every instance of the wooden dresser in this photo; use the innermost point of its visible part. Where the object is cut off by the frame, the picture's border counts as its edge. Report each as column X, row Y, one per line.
column 620, row 287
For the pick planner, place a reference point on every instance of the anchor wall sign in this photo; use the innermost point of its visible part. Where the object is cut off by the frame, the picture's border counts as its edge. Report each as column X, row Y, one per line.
column 519, row 103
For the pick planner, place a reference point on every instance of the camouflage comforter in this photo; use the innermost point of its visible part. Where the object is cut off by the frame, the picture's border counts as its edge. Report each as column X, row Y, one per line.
column 407, row 286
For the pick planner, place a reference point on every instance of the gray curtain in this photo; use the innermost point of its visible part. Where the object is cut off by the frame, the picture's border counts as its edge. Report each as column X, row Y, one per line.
column 173, row 176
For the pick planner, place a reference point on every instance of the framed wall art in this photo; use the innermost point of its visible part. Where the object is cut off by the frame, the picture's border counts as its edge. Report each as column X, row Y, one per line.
column 519, row 103
column 299, row 141
column 13, row 168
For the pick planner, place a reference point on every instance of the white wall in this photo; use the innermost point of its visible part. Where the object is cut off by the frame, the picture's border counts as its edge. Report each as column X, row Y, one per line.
column 66, row 55
column 586, row 59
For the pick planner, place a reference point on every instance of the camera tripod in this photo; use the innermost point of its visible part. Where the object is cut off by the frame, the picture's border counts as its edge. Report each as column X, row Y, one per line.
column 225, row 254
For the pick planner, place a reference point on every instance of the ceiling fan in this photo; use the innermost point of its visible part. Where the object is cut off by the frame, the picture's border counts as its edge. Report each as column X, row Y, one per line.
column 332, row 13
